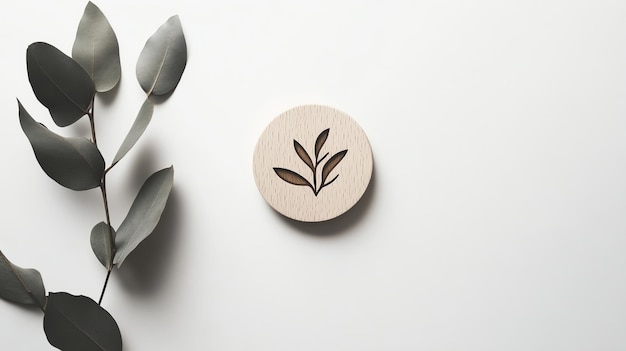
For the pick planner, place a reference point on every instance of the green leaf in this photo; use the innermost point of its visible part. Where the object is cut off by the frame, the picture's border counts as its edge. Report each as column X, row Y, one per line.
column 141, row 123
column 59, row 83
column 144, row 214
column 77, row 323
column 20, row 285
column 96, row 49
column 75, row 163
column 101, row 244
column 163, row 59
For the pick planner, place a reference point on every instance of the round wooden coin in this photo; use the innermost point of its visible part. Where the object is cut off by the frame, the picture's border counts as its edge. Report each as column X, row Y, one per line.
column 313, row 163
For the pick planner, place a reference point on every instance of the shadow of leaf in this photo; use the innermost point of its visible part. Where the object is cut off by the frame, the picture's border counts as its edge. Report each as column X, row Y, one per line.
column 108, row 97
column 149, row 265
column 30, row 309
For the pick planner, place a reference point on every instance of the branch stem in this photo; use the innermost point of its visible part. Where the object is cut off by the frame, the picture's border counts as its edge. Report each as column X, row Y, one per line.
column 103, row 190
column 104, row 288
column 92, row 123
column 317, row 163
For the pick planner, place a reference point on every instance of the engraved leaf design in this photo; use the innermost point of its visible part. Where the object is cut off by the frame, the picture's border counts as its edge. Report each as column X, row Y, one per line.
column 291, row 177
column 319, row 142
column 304, row 156
column 332, row 163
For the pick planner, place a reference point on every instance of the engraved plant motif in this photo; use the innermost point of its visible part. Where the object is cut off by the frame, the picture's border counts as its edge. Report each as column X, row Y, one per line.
column 294, row 178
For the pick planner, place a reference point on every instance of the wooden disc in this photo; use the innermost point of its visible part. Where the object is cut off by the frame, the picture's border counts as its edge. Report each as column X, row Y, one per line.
column 313, row 163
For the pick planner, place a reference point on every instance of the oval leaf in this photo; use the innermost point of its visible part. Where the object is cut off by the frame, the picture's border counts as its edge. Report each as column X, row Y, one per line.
column 291, row 177
column 144, row 214
column 304, row 156
column 141, row 123
column 101, row 243
column 20, row 285
column 163, row 59
column 59, row 83
column 75, row 163
column 332, row 163
column 319, row 142
column 77, row 323
column 96, row 49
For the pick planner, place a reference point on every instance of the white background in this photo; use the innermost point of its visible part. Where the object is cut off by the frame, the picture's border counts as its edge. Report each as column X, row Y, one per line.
column 495, row 220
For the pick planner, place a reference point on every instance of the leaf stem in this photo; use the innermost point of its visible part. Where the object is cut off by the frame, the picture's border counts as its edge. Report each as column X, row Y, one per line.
column 317, row 163
column 105, row 200
column 327, row 184
column 315, row 176
column 104, row 288
column 92, row 122
column 103, row 190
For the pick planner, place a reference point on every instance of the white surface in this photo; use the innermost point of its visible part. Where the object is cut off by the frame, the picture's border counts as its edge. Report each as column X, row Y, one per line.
column 496, row 220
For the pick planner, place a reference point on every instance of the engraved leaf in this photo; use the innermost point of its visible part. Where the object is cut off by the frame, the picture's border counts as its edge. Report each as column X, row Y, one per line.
column 291, row 177
column 332, row 163
column 59, row 83
column 96, row 49
column 304, row 156
column 78, row 323
column 20, row 285
column 319, row 142
column 163, row 59
column 75, row 163
column 101, row 244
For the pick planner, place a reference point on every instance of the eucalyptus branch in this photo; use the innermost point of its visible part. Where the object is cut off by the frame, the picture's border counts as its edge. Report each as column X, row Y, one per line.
column 67, row 87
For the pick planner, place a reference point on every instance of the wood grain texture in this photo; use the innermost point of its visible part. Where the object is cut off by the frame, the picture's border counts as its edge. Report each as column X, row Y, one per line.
column 321, row 145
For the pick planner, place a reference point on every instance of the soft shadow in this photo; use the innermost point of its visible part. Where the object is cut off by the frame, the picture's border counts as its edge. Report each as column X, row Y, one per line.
column 157, row 100
column 144, row 164
column 30, row 309
column 108, row 97
column 342, row 223
column 147, row 268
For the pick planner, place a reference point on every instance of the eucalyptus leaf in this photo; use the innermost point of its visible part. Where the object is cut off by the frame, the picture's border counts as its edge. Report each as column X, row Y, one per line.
column 96, row 49
column 21, row 285
column 77, row 323
column 59, row 83
column 144, row 214
column 163, row 59
column 75, row 163
column 141, row 123
column 101, row 243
